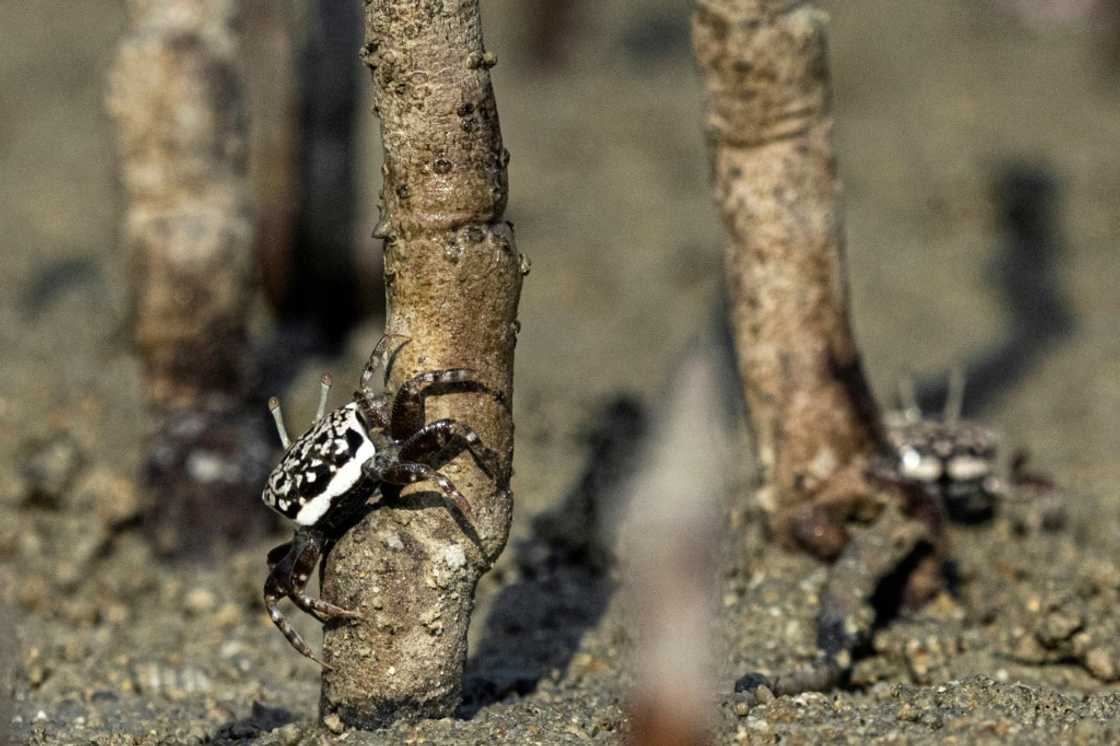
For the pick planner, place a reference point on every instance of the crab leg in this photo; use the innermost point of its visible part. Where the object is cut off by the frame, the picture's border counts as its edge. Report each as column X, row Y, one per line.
column 375, row 358
column 435, row 438
column 288, row 577
column 408, row 405
column 273, row 593
column 407, row 473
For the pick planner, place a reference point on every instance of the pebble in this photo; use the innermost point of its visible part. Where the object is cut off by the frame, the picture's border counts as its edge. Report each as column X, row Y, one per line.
column 333, row 723
column 199, row 600
column 48, row 466
column 454, row 556
column 289, row 735
column 1058, row 626
column 1100, row 663
column 228, row 616
column 114, row 497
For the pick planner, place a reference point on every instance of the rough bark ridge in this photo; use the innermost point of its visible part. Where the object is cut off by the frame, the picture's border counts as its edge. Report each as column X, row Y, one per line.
column 774, row 173
column 176, row 95
column 453, row 279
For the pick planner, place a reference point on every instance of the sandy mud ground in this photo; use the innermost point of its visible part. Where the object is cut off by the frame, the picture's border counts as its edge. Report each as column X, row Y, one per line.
column 937, row 102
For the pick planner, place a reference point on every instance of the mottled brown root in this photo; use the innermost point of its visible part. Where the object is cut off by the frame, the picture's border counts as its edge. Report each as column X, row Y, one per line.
column 176, row 95
column 453, row 278
column 814, row 421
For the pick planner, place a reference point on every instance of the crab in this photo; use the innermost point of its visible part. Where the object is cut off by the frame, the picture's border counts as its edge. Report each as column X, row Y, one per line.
column 949, row 458
column 367, row 449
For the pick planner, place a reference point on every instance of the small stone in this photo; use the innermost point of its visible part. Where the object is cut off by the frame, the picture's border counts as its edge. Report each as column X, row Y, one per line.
column 742, row 709
column 289, row 735
column 578, row 732
column 1100, row 663
column 115, row 613
column 764, row 695
column 454, row 556
column 199, row 601
column 114, row 497
column 333, row 723
column 229, row 615
column 1058, row 626
column 34, row 593
column 48, row 467
column 36, row 675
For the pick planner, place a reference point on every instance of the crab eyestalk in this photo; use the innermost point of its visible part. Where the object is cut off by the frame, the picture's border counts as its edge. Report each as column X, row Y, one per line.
column 954, row 399
column 908, row 399
column 278, row 418
column 325, row 384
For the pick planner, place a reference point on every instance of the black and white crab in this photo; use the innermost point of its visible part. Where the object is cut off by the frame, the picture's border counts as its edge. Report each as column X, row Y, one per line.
column 367, row 448
column 951, row 459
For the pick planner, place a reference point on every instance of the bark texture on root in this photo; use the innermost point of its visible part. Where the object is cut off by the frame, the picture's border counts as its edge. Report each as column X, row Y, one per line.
column 175, row 92
column 453, row 280
column 774, row 173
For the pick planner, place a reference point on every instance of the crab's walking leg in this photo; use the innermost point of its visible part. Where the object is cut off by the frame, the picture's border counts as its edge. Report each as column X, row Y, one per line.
column 448, row 438
column 307, row 548
column 407, row 473
column 375, row 358
column 295, row 570
column 408, row 404
column 273, row 592
column 288, row 576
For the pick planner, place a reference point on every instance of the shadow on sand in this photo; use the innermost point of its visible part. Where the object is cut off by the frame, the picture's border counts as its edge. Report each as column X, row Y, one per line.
column 1026, row 274
column 563, row 581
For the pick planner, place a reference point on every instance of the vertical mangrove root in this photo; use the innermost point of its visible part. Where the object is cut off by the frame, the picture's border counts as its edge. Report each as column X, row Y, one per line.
column 453, row 280
column 814, row 421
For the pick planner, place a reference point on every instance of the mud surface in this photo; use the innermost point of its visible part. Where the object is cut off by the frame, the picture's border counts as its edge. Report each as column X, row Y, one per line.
column 936, row 104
